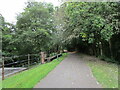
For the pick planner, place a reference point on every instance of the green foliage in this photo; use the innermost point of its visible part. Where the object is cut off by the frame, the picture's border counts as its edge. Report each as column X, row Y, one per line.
column 91, row 20
column 32, row 32
column 80, row 26
column 37, row 27
column 107, row 59
column 92, row 24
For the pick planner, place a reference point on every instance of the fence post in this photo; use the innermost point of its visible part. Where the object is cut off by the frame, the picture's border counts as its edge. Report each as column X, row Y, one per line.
column 3, row 68
column 42, row 57
column 28, row 60
column 57, row 56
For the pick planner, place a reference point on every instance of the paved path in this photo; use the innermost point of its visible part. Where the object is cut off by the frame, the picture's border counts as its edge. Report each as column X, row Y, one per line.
column 70, row 73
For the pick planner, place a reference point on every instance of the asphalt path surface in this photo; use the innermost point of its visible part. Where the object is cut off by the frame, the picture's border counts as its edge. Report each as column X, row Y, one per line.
column 72, row 72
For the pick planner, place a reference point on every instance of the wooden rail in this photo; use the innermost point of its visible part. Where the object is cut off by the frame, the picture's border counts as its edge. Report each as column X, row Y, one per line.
column 48, row 59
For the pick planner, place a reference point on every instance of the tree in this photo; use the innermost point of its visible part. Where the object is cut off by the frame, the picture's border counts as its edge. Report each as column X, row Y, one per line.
column 7, row 36
column 35, row 26
column 92, row 24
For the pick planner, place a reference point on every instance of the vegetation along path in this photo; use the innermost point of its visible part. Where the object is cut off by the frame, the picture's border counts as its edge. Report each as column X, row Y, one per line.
column 70, row 73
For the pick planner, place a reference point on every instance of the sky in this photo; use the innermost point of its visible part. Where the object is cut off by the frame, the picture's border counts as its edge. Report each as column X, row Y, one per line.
column 10, row 8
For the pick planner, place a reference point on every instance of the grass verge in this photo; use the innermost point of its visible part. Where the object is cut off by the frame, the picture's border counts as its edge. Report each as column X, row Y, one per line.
column 105, row 73
column 29, row 78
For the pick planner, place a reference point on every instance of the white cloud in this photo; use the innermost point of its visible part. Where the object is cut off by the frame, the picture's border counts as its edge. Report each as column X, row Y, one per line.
column 10, row 8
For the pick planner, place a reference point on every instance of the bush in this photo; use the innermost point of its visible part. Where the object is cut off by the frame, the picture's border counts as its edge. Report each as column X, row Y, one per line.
column 104, row 58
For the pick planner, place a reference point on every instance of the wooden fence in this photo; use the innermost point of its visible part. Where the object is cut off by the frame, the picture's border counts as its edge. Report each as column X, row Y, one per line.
column 41, row 59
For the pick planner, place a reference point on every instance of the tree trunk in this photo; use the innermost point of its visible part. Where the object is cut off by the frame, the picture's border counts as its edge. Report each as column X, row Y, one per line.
column 110, row 47
column 94, row 48
column 101, row 51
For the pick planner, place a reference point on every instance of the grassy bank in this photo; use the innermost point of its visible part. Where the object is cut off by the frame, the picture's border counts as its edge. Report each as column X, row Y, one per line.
column 105, row 73
column 29, row 78
column 0, row 83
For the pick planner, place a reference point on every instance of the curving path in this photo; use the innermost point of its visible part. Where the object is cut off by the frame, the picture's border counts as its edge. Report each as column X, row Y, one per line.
column 70, row 73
